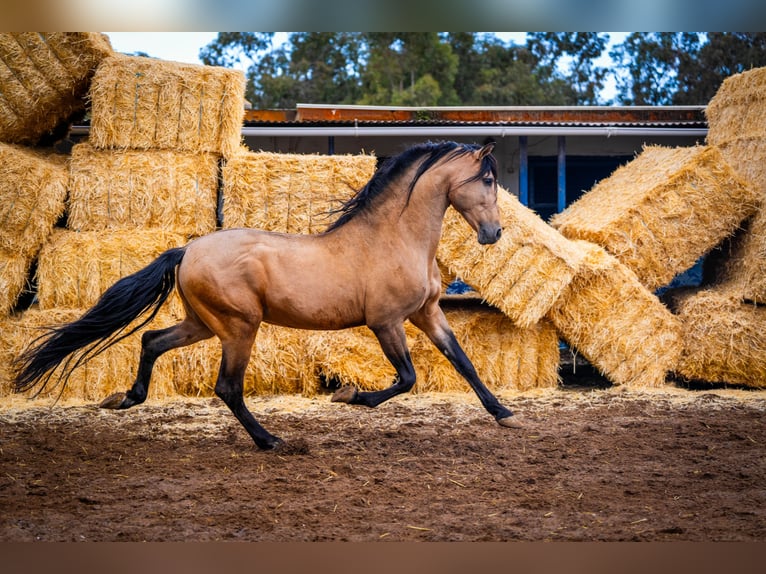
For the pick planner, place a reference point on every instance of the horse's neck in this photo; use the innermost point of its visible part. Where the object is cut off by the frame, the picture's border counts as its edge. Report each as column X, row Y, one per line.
column 417, row 222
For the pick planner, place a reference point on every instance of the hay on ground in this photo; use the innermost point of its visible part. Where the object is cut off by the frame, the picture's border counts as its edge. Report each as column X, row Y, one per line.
column 723, row 339
column 32, row 198
column 44, row 78
column 119, row 189
column 505, row 356
column 617, row 324
column 144, row 103
column 290, row 193
column 75, row 268
column 525, row 272
column 661, row 212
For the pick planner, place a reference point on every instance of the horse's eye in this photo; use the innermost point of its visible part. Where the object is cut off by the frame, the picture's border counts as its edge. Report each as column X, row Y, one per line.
column 488, row 181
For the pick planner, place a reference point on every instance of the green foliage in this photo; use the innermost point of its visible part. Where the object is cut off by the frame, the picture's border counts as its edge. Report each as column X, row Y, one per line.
column 427, row 69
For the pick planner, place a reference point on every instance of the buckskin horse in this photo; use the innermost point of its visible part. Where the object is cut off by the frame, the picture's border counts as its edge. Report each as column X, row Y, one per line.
column 375, row 265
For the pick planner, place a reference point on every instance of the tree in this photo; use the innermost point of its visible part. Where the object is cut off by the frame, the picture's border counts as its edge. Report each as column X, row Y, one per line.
column 414, row 67
column 491, row 73
column 569, row 58
column 683, row 67
column 721, row 56
column 650, row 62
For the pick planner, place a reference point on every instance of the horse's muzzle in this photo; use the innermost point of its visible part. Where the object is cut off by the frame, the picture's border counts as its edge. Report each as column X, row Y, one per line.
column 489, row 234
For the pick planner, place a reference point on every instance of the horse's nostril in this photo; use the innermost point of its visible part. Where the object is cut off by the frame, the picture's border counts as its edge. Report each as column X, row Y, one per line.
column 498, row 234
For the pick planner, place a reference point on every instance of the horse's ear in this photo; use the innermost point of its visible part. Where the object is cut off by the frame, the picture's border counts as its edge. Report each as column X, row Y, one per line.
column 484, row 151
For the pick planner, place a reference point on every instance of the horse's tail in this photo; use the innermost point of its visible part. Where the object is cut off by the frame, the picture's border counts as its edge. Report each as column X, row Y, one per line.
column 101, row 326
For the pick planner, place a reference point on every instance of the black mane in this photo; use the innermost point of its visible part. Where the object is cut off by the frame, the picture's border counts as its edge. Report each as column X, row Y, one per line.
column 395, row 166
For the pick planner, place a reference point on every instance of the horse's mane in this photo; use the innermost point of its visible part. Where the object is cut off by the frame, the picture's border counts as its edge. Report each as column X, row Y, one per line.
column 396, row 166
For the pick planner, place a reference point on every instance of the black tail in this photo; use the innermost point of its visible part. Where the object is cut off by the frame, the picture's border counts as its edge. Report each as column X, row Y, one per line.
column 101, row 326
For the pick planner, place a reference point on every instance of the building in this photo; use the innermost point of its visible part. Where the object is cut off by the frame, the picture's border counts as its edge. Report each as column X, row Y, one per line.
column 547, row 156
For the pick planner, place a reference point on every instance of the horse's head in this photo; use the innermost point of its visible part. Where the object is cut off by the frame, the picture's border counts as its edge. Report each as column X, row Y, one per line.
column 475, row 198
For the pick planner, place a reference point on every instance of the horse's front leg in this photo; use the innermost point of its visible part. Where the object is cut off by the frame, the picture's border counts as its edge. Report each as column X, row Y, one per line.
column 432, row 322
column 394, row 344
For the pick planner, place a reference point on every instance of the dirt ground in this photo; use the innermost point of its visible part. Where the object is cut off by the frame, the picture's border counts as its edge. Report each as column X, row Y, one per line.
column 591, row 464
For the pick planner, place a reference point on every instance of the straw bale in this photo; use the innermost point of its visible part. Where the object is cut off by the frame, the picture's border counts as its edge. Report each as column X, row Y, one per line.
column 111, row 371
column 617, row 324
column 661, row 212
column 737, row 111
column 525, row 272
column 145, row 103
column 290, row 193
column 505, row 356
column 75, row 268
column 119, row 189
column 738, row 264
column 32, row 198
column 279, row 363
column 14, row 272
column 723, row 338
column 44, row 78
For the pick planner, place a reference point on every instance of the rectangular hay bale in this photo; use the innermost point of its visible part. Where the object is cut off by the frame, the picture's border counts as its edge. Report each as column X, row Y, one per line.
column 738, row 263
column 44, row 79
column 617, row 324
column 662, row 211
column 145, row 103
column 738, row 108
column 120, row 189
column 75, row 268
column 505, row 356
column 723, row 339
column 279, row 364
column 290, row 193
column 14, row 272
column 111, row 371
column 33, row 187
column 525, row 272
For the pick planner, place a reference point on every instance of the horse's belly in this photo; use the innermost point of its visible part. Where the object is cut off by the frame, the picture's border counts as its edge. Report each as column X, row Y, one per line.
column 310, row 312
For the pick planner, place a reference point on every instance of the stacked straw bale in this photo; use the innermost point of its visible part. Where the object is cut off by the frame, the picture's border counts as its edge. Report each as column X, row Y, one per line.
column 144, row 103
column 723, row 338
column 32, row 199
column 737, row 125
column 290, row 193
column 661, row 212
column 75, row 268
column 525, row 272
column 617, row 324
column 119, row 189
column 279, row 362
column 44, row 77
column 505, row 356
column 597, row 304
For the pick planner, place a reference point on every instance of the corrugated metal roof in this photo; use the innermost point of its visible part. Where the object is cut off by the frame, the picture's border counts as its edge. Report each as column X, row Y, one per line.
column 306, row 115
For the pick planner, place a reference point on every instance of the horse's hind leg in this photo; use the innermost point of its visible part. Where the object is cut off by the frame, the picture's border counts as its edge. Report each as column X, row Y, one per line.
column 153, row 345
column 433, row 323
column 394, row 344
column 230, row 388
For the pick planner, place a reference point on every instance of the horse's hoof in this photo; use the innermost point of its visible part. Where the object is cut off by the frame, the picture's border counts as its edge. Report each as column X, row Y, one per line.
column 113, row 401
column 510, row 422
column 281, row 447
column 345, row 394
